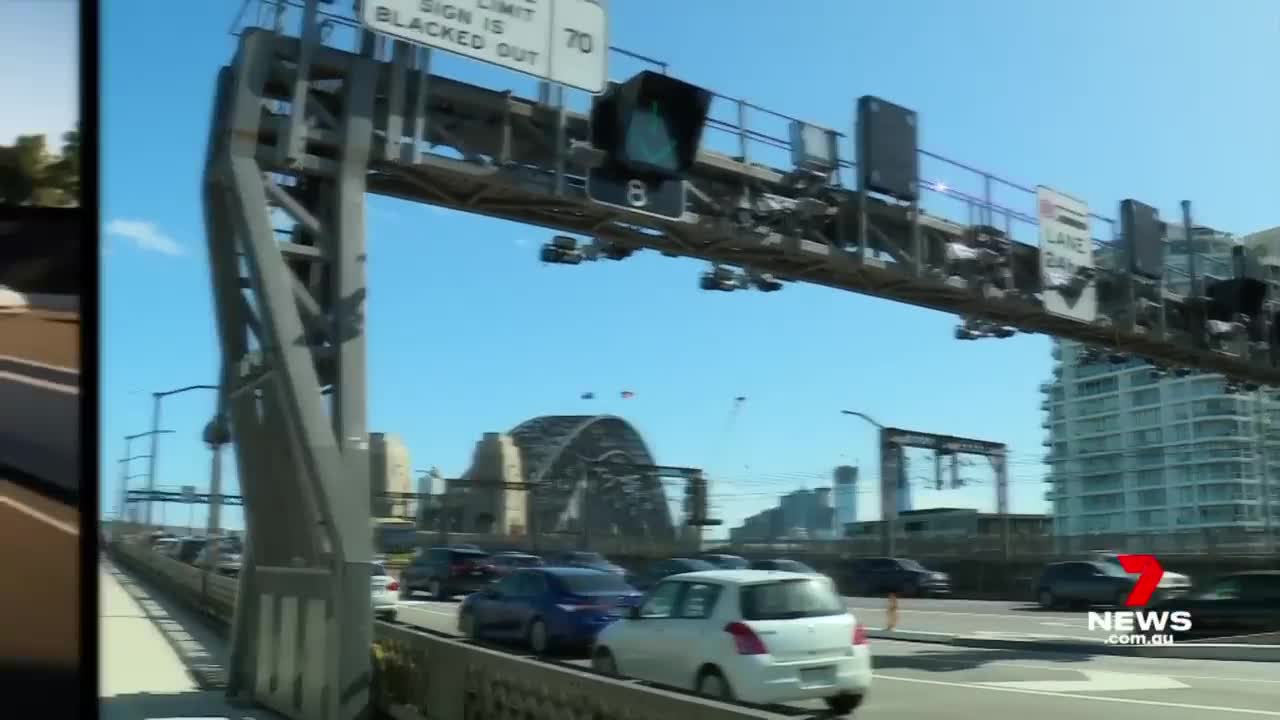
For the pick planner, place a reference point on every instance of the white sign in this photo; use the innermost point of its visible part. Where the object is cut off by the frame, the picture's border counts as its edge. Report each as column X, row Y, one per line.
column 563, row 41
column 1066, row 256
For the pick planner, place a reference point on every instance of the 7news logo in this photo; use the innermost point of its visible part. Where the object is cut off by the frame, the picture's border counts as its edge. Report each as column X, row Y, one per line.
column 1137, row 626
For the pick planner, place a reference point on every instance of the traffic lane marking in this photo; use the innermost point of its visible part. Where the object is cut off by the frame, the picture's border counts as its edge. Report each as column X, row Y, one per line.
column 1079, row 697
column 61, row 516
column 1053, row 663
column 41, row 595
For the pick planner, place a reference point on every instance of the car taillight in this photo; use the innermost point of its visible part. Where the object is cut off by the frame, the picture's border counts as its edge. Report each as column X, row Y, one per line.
column 746, row 639
column 393, row 585
column 859, row 634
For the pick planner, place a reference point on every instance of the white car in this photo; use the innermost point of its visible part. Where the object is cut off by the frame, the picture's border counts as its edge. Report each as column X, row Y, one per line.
column 12, row 302
column 386, row 592
column 758, row 636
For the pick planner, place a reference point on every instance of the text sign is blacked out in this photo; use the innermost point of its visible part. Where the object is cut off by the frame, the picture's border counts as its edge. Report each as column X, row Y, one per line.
column 661, row 198
column 563, row 41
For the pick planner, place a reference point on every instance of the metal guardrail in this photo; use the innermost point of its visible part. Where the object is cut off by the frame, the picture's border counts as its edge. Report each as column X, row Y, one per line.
column 422, row 675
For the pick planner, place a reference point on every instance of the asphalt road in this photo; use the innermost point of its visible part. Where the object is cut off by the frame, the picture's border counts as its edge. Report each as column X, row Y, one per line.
column 975, row 617
column 40, row 595
column 40, row 426
column 917, row 681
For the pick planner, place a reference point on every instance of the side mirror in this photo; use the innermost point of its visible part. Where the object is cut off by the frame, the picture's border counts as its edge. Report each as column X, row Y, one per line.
column 634, row 613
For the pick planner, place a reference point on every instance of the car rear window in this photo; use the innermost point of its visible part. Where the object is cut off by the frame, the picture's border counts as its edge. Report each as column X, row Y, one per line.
column 378, row 570
column 581, row 583
column 787, row 599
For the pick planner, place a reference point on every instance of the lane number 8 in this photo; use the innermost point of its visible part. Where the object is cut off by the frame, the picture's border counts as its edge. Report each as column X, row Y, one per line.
column 637, row 193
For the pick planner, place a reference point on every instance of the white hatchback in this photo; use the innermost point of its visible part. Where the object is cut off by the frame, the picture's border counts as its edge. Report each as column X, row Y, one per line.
column 757, row 636
column 386, row 593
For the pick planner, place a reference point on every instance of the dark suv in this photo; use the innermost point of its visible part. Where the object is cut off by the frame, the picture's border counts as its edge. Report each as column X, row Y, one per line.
column 1082, row 582
column 899, row 576
column 445, row 572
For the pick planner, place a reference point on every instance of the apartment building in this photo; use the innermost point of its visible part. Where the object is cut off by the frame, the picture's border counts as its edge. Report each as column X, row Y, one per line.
column 1130, row 452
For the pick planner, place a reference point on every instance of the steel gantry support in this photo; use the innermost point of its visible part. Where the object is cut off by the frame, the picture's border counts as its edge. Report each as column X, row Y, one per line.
column 893, row 442
column 290, row 310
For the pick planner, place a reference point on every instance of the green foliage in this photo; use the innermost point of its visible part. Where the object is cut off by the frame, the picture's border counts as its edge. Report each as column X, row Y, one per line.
column 31, row 175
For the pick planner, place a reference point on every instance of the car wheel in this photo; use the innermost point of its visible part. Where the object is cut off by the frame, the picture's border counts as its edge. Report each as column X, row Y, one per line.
column 712, row 684
column 602, row 662
column 467, row 626
column 844, row 703
column 1046, row 599
column 539, row 642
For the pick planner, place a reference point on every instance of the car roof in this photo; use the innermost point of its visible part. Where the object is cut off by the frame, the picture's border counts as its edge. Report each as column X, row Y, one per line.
column 740, row 577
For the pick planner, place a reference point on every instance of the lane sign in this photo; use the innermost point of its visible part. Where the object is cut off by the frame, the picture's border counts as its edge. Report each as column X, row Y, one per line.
column 663, row 198
column 1066, row 256
column 562, row 41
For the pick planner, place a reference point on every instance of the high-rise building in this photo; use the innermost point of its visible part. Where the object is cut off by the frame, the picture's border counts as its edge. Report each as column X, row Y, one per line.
column 845, row 480
column 389, row 472
column 799, row 514
column 1130, row 452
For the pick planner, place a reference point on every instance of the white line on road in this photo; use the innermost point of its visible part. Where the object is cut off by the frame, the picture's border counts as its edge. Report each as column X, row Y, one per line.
column 1076, row 696
column 1095, row 681
column 33, row 363
column 36, row 382
column 34, row 513
column 1030, row 666
column 1002, row 616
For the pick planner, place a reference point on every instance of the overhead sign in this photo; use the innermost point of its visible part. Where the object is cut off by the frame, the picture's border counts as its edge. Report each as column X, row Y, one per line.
column 189, row 493
column 659, row 198
column 1066, row 256
column 562, row 41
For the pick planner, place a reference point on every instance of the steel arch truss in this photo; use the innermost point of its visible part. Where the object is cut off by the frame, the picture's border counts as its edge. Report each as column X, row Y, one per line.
column 290, row 309
column 568, row 463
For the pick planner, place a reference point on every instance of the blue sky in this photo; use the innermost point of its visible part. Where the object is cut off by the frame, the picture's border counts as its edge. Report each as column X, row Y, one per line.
column 1151, row 99
column 40, row 45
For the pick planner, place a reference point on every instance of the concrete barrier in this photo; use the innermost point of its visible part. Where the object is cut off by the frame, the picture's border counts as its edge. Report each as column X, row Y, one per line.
column 54, row 303
column 421, row 675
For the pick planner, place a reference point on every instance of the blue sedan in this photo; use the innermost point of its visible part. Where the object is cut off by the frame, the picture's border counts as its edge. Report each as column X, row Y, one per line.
column 547, row 609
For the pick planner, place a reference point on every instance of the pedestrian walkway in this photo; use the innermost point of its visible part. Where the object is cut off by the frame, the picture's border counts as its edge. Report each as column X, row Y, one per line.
column 150, row 650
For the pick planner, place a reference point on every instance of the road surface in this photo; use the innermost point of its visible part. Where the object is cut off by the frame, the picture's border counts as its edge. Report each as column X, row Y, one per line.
column 40, row 595
column 976, row 617
column 919, row 681
column 40, row 424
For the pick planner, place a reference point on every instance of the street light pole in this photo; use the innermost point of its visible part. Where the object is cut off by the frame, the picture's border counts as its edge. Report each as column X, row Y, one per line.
column 155, row 431
column 124, row 466
column 888, row 511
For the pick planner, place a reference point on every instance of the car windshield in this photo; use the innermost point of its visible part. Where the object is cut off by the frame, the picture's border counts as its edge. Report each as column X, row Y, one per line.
column 584, row 583
column 788, row 599
column 793, row 566
column 728, row 562
column 1111, row 568
column 912, row 565
column 684, row 566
